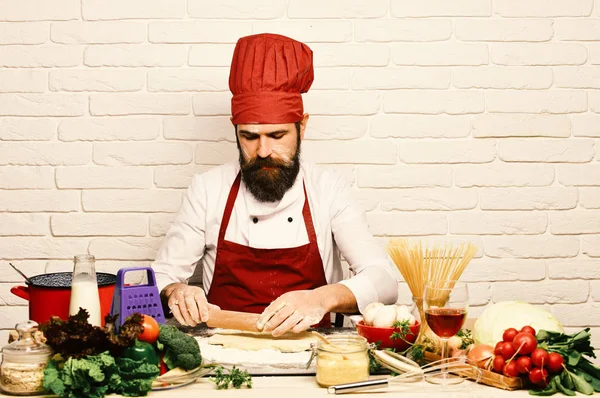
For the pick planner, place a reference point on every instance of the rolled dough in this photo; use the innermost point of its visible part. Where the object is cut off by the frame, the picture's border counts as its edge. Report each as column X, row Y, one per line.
column 248, row 341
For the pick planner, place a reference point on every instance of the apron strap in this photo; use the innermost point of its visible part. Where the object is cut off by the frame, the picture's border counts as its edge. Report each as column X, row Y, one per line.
column 308, row 222
column 229, row 207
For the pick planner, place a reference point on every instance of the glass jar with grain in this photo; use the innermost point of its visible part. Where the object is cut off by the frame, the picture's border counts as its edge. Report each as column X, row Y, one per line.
column 23, row 363
column 345, row 359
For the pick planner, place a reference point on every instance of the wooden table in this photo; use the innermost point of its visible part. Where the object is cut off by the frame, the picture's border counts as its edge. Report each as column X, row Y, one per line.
column 306, row 387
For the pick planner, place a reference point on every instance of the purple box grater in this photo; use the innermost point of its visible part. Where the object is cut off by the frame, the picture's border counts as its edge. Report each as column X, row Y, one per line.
column 144, row 299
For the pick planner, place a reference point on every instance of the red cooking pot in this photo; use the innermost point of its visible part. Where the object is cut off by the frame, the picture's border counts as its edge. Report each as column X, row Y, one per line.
column 50, row 294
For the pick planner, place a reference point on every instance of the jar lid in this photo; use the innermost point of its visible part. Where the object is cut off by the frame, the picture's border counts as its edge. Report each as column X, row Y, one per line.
column 344, row 344
column 26, row 348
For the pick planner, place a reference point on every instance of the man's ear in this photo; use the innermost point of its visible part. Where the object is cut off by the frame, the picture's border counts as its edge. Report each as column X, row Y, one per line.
column 303, row 124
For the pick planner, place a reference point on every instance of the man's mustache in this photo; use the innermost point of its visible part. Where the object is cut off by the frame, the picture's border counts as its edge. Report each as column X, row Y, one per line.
column 258, row 163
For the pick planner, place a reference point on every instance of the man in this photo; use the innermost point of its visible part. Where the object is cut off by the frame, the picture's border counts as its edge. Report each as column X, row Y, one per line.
column 268, row 230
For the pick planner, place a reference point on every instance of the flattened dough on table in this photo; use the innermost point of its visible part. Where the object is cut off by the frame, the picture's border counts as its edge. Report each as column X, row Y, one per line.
column 248, row 341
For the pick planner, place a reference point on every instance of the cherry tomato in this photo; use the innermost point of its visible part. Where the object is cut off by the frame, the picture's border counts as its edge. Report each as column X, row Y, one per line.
column 498, row 363
column 151, row 330
column 498, row 348
column 524, row 364
column 509, row 334
column 510, row 369
column 524, row 343
column 528, row 329
column 539, row 376
column 508, row 350
column 539, row 357
column 555, row 362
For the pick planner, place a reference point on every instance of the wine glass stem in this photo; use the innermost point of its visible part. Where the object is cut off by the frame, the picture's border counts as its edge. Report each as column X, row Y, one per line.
column 444, row 370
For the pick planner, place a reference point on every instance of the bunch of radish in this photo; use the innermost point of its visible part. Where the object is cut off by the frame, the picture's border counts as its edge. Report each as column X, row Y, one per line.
column 518, row 355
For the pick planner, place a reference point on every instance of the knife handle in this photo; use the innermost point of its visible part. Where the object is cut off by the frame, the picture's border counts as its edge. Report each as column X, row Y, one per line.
column 233, row 320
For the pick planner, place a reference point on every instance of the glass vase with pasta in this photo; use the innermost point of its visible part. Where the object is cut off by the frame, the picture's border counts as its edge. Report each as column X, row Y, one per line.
column 446, row 304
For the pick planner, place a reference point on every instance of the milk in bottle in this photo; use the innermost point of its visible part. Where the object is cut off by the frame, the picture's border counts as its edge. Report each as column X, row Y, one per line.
column 84, row 289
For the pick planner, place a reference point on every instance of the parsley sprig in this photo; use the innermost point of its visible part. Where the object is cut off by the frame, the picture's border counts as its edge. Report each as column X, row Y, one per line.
column 234, row 377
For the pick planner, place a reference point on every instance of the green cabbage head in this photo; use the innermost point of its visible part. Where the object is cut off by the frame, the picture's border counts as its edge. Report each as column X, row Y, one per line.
column 495, row 319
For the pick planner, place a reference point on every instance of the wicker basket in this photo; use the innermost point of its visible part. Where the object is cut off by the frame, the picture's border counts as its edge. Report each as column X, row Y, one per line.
column 487, row 377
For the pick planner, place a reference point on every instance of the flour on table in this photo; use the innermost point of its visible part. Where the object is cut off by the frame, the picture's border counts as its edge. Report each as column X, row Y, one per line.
column 259, row 360
column 259, row 341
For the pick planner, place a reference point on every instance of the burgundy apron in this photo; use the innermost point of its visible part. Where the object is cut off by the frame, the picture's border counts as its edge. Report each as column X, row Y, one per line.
column 247, row 279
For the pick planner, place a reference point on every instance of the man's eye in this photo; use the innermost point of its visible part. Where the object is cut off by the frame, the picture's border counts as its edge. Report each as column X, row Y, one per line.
column 250, row 137
column 277, row 136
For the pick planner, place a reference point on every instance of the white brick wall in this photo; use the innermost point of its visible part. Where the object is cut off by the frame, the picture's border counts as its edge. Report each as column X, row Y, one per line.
column 465, row 120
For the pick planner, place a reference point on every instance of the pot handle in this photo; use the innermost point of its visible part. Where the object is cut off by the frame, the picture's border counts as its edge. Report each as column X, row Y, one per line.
column 20, row 291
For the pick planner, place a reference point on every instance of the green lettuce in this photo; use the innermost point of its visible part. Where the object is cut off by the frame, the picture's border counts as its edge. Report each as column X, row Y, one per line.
column 98, row 375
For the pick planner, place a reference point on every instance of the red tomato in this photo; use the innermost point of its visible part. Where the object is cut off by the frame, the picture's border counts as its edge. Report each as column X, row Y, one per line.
column 555, row 362
column 508, row 350
column 509, row 334
column 524, row 364
column 510, row 369
column 528, row 329
column 524, row 343
column 498, row 363
column 539, row 376
column 498, row 348
column 539, row 357
column 151, row 330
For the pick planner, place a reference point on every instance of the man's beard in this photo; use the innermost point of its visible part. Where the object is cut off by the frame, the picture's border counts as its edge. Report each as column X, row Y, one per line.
column 269, row 185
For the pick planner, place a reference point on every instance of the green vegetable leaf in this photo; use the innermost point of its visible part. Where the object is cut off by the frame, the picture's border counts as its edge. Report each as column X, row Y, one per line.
column 401, row 330
column 466, row 337
column 98, row 375
column 52, row 380
column 550, row 390
column 560, row 387
column 416, row 353
column 374, row 366
column 234, row 377
column 566, row 381
column 581, row 385
column 589, row 368
column 594, row 381
column 573, row 358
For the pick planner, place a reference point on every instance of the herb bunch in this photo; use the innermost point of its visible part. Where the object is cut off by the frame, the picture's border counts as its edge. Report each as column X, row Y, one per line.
column 234, row 377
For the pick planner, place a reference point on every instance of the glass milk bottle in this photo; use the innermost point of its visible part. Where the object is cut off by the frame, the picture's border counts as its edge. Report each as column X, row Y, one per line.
column 84, row 289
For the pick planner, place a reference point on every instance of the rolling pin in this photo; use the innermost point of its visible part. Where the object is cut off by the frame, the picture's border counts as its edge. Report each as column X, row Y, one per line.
column 244, row 321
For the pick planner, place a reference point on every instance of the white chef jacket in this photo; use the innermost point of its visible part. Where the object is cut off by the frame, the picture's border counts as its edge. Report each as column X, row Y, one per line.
column 340, row 225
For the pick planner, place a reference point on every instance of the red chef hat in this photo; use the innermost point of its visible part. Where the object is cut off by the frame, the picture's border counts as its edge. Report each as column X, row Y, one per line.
column 268, row 74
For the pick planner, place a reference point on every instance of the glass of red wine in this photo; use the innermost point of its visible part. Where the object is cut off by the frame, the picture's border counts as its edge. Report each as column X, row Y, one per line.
column 446, row 304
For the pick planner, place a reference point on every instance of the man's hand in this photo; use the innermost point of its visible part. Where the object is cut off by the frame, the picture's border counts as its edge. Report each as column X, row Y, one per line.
column 187, row 303
column 295, row 311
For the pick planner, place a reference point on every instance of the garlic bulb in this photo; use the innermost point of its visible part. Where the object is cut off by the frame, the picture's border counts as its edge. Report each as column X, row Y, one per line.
column 402, row 313
column 370, row 311
column 385, row 317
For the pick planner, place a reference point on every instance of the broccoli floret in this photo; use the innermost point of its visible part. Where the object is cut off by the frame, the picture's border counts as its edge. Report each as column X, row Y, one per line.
column 181, row 350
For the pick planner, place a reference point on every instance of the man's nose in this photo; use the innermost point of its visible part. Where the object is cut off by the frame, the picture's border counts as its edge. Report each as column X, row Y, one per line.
column 264, row 147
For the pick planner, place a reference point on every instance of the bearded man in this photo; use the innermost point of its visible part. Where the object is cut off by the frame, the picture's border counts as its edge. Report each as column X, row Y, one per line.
column 268, row 230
